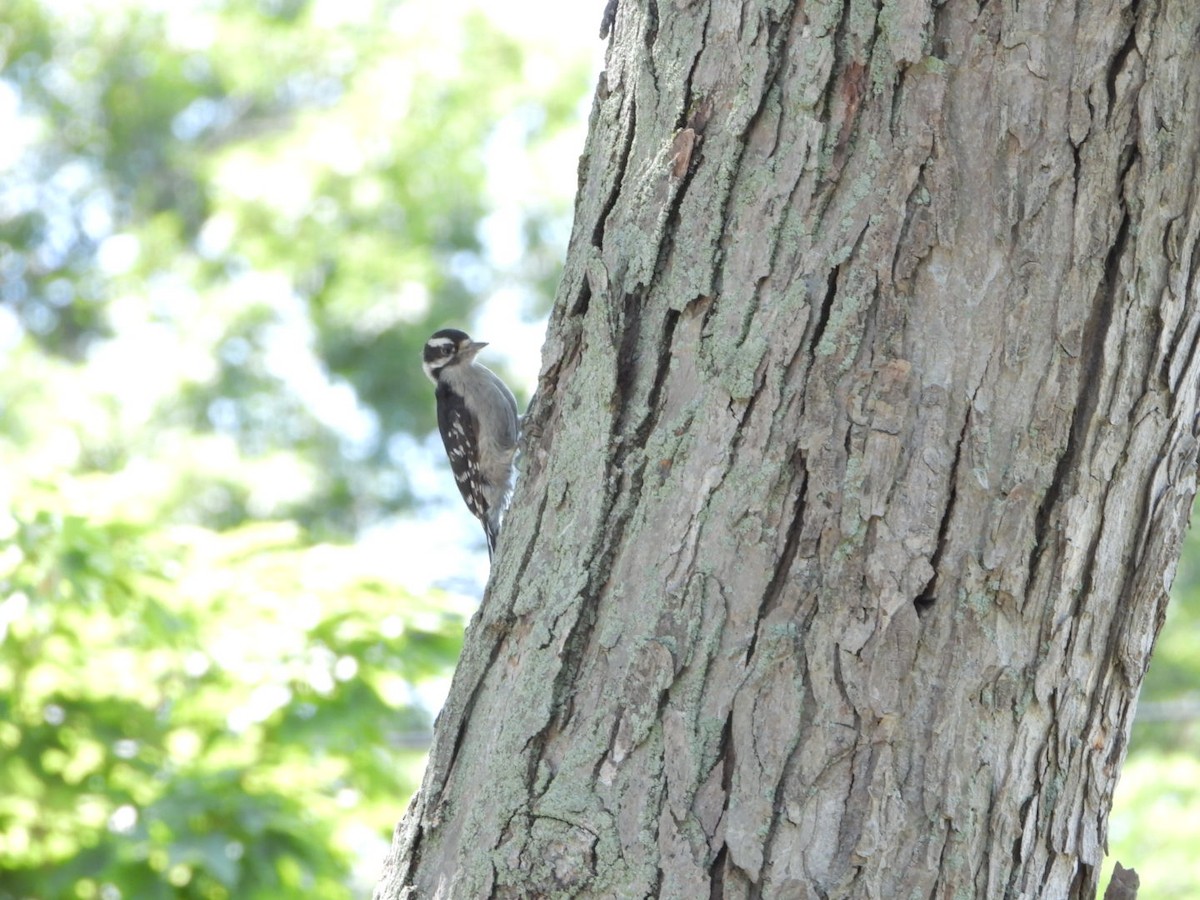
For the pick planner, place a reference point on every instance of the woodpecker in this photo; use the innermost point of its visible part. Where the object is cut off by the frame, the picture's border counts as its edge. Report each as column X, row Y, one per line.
column 477, row 418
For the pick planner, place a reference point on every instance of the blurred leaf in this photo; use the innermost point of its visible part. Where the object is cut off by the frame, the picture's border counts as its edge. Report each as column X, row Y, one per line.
column 226, row 229
column 272, row 211
column 211, row 736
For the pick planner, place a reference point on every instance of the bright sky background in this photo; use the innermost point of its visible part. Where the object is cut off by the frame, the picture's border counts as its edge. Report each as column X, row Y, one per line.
column 439, row 543
column 444, row 536
column 442, row 543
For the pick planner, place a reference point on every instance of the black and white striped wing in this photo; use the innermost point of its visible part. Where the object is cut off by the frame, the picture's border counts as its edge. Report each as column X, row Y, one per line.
column 459, row 435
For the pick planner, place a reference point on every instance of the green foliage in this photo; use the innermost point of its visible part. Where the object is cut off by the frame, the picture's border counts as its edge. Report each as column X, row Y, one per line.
column 197, row 714
column 1170, row 698
column 226, row 228
column 273, row 203
column 1155, row 822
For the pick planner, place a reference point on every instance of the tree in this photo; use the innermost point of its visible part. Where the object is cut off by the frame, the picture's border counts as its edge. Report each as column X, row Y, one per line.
column 863, row 448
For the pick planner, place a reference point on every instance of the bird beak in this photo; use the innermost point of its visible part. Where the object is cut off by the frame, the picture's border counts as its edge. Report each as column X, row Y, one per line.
column 474, row 347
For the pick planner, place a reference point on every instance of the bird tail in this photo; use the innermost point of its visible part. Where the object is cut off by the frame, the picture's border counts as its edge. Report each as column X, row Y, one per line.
column 491, row 521
column 491, row 530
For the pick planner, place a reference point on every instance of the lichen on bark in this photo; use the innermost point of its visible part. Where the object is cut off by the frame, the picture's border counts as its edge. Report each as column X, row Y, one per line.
column 864, row 444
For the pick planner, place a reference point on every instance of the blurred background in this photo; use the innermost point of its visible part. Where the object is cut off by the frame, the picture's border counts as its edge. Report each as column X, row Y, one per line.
column 234, row 569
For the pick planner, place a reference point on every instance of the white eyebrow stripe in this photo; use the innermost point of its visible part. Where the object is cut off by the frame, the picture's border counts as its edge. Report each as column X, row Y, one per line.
column 439, row 342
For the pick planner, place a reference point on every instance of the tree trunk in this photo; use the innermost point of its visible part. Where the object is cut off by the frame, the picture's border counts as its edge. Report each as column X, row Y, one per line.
column 864, row 446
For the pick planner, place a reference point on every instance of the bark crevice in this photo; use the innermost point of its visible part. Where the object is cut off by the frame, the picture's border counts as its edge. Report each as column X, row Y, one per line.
column 616, row 174
column 787, row 613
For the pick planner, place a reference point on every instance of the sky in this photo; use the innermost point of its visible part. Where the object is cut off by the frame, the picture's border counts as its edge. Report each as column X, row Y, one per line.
column 440, row 533
column 442, row 542
column 443, row 535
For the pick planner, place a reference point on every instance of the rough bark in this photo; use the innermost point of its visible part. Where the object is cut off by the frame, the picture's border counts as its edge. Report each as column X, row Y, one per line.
column 864, row 444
